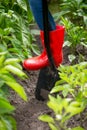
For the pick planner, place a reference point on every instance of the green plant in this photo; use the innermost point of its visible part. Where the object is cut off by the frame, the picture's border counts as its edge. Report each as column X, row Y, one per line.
column 76, row 10
column 7, row 122
column 72, row 14
column 73, row 97
column 75, row 36
column 8, row 68
column 15, row 35
column 15, row 45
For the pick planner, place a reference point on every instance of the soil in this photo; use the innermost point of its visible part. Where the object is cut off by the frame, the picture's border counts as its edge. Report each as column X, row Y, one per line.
column 27, row 113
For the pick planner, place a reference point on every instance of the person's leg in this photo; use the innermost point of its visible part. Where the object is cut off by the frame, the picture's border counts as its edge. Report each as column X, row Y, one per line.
column 56, row 36
column 36, row 7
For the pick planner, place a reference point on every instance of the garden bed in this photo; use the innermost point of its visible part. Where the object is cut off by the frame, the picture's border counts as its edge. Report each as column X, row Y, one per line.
column 27, row 112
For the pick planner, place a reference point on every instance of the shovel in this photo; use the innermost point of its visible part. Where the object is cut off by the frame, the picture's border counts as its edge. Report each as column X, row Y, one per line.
column 48, row 75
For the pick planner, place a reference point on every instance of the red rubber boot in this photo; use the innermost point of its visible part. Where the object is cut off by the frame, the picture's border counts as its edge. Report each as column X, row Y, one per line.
column 56, row 43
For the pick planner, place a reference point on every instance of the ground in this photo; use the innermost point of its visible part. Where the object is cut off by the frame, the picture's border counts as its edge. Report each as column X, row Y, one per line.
column 27, row 113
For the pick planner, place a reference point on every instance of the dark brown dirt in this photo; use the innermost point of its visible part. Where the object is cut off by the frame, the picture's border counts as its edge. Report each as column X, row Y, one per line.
column 27, row 112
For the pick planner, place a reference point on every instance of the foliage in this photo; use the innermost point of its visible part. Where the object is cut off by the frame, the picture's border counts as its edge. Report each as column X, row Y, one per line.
column 7, row 122
column 75, row 11
column 8, row 68
column 73, row 97
column 73, row 15
column 15, row 34
column 71, row 90
column 15, row 45
column 74, row 34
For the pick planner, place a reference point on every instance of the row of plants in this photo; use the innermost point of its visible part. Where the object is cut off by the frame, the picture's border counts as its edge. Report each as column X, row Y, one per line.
column 9, row 67
column 68, row 98
column 73, row 15
column 15, row 34
column 15, row 45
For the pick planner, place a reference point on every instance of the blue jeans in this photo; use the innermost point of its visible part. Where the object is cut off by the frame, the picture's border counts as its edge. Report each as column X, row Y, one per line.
column 36, row 7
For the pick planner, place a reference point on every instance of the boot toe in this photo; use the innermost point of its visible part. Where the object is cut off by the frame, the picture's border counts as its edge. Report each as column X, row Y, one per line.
column 35, row 63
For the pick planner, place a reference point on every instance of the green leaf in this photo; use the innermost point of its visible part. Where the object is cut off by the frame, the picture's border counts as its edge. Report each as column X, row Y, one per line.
column 5, row 106
column 71, row 57
column 55, row 104
column 35, row 49
column 78, row 128
column 18, row 88
column 7, row 77
column 75, row 104
column 35, row 31
column 10, row 122
column 2, row 58
column 57, row 89
column 13, row 122
column 3, row 49
column 11, row 61
column 2, row 125
column 53, row 127
column 17, row 65
column 85, row 18
column 15, row 70
column 1, row 83
column 74, row 110
column 67, row 43
column 22, row 4
column 7, row 124
column 46, row 118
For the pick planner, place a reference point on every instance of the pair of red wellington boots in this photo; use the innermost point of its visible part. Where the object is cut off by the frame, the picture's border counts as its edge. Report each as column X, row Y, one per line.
column 56, row 43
